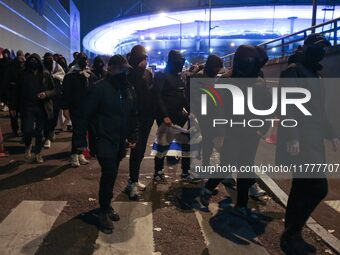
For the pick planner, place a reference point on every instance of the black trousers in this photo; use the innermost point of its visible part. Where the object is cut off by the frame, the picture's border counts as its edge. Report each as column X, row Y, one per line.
column 92, row 138
column 34, row 122
column 238, row 151
column 78, row 133
column 137, row 154
column 15, row 122
column 52, row 123
column 304, row 197
column 109, row 171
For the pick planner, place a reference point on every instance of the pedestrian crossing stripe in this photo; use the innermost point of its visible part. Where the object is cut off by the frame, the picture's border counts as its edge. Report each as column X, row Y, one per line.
column 335, row 204
column 133, row 234
column 25, row 227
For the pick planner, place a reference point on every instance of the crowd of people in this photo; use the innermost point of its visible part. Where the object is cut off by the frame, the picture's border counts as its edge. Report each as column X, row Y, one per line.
column 111, row 107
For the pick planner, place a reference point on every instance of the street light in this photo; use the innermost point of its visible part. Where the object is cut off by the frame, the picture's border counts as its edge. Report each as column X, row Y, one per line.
column 180, row 28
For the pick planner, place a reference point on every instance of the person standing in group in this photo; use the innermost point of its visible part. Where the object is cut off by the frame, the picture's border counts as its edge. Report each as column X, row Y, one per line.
column 76, row 87
column 171, row 105
column 240, row 143
column 304, row 144
column 35, row 93
column 111, row 103
column 142, row 81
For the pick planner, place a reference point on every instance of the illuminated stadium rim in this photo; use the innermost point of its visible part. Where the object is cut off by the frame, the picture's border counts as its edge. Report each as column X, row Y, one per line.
column 105, row 38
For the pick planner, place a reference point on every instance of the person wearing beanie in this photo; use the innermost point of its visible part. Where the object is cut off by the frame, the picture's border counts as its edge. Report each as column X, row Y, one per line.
column 142, row 81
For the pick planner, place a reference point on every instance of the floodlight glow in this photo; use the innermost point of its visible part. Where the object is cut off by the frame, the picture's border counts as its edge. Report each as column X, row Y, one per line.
column 148, row 48
column 232, row 44
column 273, row 49
column 106, row 38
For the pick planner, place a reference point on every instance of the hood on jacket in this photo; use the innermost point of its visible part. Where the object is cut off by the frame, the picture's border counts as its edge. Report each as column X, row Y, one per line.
column 138, row 54
column 175, row 62
column 246, row 62
column 98, row 63
column 213, row 65
column 38, row 58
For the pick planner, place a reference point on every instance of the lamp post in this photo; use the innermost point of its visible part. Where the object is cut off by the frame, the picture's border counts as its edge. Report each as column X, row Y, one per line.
column 209, row 37
column 315, row 8
column 180, row 29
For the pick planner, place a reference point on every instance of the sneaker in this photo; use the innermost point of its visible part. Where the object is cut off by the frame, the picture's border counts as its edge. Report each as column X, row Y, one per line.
column 47, row 144
column 295, row 244
column 74, row 160
column 28, row 153
column 190, row 179
column 159, row 176
column 141, row 186
column 256, row 191
column 205, row 197
column 114, row 216
column 104, row 222
column 133, row 195
column 246, row 213
column 82, row 160
column 38, row 158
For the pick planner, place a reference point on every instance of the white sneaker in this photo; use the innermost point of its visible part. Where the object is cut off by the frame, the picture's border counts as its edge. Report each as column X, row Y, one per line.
column 74, row 160
column 28, row 153
column 83, row 160
column 133, row 191
column 141, row 186
column 256, row 191
column 47, row 144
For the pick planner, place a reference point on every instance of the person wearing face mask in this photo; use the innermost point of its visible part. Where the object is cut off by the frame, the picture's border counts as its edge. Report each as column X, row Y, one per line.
column 76, row 86
column 172, row 106
column 304, row 143
column 17, row 67
column 142, row 81
column 240, row 143
column 98, row 67
column 57, row 74
column 111, row 103
column 36, row 88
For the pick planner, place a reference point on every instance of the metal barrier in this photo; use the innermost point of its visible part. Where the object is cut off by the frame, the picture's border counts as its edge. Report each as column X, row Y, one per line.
column 286, row 45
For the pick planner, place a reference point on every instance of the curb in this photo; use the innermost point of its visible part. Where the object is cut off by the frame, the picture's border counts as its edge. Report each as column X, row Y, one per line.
column 282, row 197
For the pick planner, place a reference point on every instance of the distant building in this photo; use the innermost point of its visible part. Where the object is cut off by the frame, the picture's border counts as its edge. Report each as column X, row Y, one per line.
column 40, row 26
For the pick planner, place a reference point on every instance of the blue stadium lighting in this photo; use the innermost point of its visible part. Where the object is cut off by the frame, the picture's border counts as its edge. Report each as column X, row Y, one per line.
column 111, row 37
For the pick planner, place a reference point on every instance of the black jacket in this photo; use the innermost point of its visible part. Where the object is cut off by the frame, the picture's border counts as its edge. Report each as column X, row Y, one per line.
column 112, row 105
column 29, row 85
column 76, row 85
column 311, row 130
column 142, row 81
column 170, row 97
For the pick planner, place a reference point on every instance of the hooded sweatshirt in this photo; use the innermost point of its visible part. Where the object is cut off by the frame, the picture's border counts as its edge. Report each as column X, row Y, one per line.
column 142, row 81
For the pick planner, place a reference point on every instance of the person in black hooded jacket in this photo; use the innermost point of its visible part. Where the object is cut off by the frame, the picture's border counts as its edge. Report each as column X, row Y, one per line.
column 5, row 69
column 36, row 89
column 76, row 87
column 142, row 81
column 240, row 143
column 304, row 144
column 170, row 102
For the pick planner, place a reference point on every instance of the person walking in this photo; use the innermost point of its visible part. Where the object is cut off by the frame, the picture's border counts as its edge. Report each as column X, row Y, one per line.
column 76, row 86
column 304, row 143
column 111, row 103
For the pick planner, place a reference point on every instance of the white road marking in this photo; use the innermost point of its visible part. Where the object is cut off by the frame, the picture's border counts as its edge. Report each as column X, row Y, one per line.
column 25, row 227
column 133, row 234
column 335, row 204
column 237, row 237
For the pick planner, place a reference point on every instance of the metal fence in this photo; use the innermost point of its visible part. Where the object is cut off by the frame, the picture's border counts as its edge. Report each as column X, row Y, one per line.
column 286, row 45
